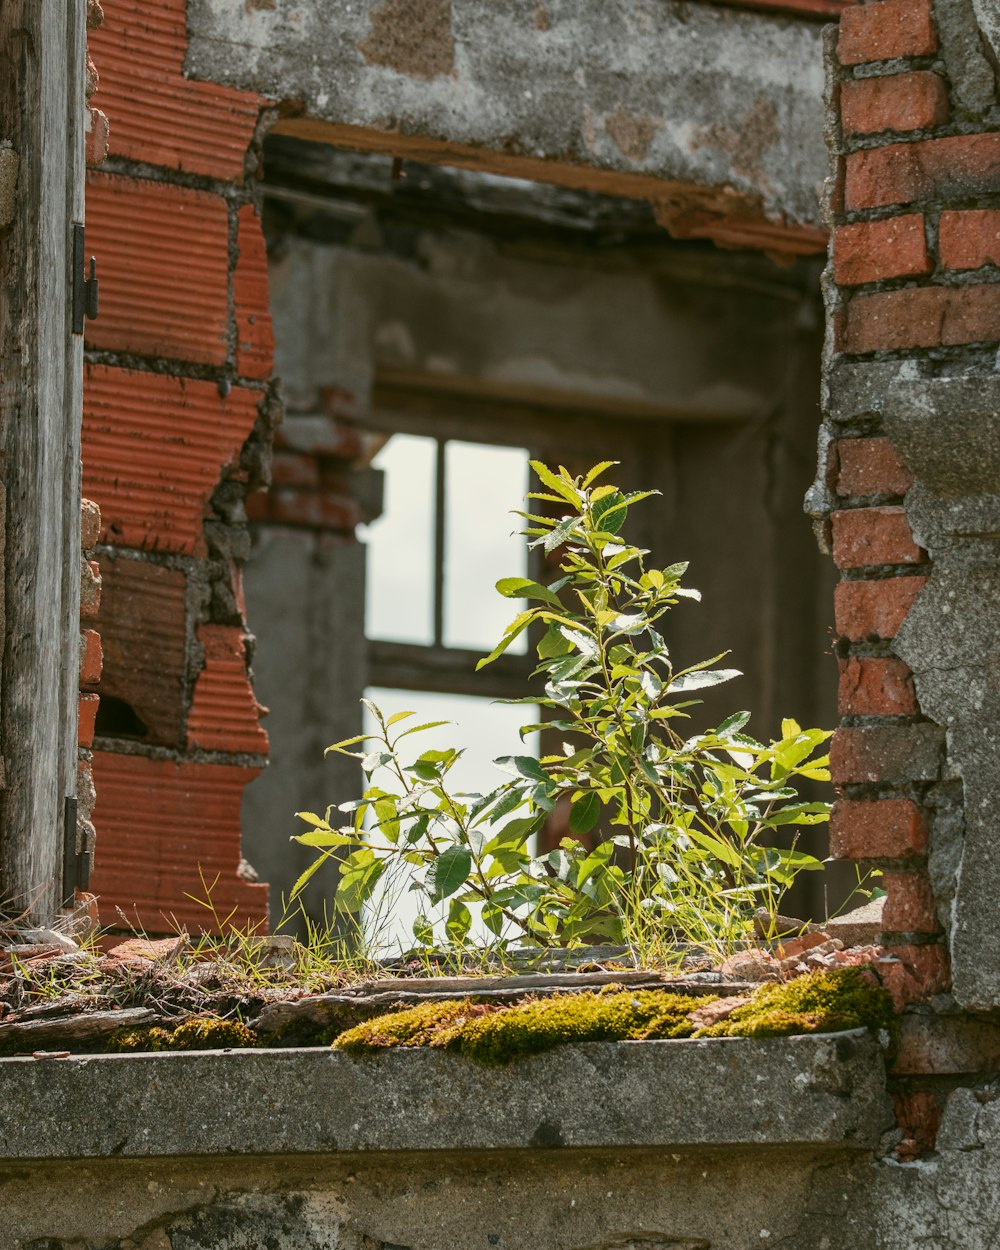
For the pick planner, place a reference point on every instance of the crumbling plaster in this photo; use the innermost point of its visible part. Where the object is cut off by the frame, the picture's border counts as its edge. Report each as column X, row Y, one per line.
column 948, row 433
column 689, row 104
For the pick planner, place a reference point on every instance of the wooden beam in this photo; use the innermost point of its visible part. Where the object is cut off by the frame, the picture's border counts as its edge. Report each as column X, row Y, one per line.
column 42, row 49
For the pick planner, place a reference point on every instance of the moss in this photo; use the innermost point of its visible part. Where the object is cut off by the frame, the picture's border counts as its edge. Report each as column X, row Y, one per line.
column 200, row 1033
column 822, row 1002
column 499, row 1035
column 125, row 1041
column 573, row 1018
column 417, row 1026
column 210, row 1033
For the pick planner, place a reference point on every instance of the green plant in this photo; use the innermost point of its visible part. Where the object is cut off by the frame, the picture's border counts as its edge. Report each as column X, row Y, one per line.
column 690, row 820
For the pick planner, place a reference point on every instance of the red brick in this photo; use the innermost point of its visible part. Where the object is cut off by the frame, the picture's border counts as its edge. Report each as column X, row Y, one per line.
column 154, row 449
column 254, row 332
column 886, row 753
column 871, row 536
column 143, row 633
column 91, row 657
column 918, row 1113
column 90, row 588
column 166, row 830
column 928, row 1044
column 967, row 240
column 90, row 524
column 922, row 972
column 881, row 31
column 86, row 716
column 163, row 254
column 874, row 609
column 929, row 317
column 869, row 466
column 903, row 172
column 880, row 829
column 876, row 687
column 319, row 511
column 909, row 904
column 292, row 470
column 224, row 714
column 871, row 250
column 97, row 137
column 158, row 115
column 896, row 102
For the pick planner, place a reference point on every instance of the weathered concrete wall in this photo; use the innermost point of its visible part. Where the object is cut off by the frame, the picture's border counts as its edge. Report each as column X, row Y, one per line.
column 712, row 112
column 591, row 1146
column 835, row 1191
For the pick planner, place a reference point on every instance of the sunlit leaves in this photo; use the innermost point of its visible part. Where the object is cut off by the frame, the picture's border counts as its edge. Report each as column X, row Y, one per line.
column 683, row 826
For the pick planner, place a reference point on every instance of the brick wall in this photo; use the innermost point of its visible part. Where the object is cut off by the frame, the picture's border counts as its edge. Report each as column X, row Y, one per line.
column 913, row 293
column 178, row 412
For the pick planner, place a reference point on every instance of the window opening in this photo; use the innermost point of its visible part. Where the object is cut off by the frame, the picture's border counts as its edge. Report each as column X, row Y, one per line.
column 445, row 536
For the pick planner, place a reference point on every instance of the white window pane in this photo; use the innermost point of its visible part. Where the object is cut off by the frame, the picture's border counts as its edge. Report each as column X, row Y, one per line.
column 399, row 595
column 483, row 485
column 485, row 730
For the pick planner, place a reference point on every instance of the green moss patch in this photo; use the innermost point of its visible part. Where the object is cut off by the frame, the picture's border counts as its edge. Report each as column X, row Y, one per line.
column 824, row 1002
column 498, row 1035
column 198, row 1033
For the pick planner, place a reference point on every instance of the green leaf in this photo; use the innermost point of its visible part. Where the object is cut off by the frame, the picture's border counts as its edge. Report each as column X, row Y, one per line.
column 701, row 680
column 418, row 729
column 584, row 814
column 459, row 922
column 597, row 470
column 565, row 489
column 526, row 765
column 525, row 588
column 610, row 512
column 449, row 872
column 553, row 643
column 517, row 627
column 556, row 538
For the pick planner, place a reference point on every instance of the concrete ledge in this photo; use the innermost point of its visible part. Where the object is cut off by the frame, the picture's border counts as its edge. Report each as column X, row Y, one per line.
column 637, row 99
column 823, row 1091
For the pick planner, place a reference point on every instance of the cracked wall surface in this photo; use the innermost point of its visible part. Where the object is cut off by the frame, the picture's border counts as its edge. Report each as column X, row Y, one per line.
column 713, row 113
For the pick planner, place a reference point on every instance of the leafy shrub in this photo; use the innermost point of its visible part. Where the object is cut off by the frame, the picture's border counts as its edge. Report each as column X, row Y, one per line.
column 689, row 853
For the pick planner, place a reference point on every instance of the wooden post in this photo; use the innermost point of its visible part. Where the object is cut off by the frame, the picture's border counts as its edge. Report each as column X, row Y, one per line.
column 42, row 67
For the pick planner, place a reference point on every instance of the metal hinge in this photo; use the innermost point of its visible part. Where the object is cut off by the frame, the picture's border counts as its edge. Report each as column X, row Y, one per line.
column 78, row 856
column 85, row 302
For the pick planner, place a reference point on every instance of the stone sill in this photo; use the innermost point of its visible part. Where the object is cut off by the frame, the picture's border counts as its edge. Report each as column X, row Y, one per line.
column 820, row 1091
